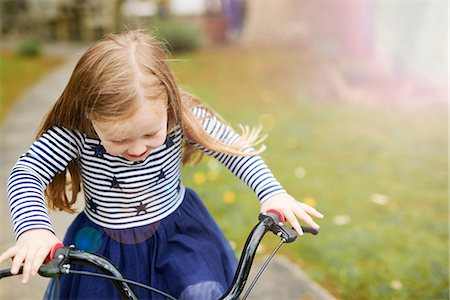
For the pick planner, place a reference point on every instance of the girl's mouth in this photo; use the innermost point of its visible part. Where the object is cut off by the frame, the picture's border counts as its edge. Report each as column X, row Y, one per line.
column 137, row 157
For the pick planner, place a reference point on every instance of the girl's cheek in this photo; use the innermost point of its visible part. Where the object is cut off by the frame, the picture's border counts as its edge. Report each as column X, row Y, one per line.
column 162, row 140
column 159, row 142
column 113, row 150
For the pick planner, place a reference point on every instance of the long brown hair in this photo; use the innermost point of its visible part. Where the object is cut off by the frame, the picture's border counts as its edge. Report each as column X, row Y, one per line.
column 105, row 84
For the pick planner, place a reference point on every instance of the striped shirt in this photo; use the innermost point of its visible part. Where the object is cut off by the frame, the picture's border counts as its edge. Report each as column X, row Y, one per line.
column 121, row 194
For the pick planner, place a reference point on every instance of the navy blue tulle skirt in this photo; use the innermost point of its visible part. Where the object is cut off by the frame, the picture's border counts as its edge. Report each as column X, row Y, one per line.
column 184, row 255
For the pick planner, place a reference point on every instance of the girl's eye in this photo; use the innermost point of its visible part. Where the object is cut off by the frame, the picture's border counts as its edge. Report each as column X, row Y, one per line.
column 119, row 142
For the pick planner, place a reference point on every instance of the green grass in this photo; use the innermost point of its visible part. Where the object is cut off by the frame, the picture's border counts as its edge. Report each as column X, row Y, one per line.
column 17, row 74
column 348, row 153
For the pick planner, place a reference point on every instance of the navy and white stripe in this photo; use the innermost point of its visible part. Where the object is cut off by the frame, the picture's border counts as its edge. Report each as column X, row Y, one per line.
column 120, row 194
column 250, row 169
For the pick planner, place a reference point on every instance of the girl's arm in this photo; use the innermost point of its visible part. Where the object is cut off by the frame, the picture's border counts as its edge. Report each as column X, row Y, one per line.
column 253, row 171
column 48, row 156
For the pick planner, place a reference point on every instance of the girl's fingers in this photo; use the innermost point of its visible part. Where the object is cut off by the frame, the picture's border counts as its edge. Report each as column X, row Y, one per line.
column 38, row 260
column 27, row 266
column 312, row 211
column 293, row 211
column 18, row 259
column 292, row 219
column 8, row 254
column 303, row 215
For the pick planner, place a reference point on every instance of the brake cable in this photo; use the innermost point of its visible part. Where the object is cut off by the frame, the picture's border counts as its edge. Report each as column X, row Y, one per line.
column 263, row 267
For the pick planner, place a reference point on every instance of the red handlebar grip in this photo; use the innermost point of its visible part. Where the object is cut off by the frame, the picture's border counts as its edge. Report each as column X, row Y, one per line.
column 279, row 214
column 51, row 255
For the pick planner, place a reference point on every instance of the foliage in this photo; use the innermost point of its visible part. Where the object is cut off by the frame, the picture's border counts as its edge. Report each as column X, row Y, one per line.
column 29, row 47
column 179, row 35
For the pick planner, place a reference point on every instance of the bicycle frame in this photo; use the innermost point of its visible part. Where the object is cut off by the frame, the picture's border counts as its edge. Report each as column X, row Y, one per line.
column 61, row 259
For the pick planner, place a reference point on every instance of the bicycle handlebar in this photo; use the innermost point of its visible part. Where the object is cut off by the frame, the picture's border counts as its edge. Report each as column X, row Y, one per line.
column 61, row 258
column 273, row 221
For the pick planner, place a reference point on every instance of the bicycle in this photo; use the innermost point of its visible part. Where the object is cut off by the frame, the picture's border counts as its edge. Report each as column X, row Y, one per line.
column 62, row 257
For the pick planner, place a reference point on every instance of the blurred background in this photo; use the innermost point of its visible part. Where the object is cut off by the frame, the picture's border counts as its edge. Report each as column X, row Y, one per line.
column 352, row 94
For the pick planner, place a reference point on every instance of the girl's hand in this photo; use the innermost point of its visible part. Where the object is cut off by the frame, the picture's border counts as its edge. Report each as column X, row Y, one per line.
column 31, row 249
column 292, row 210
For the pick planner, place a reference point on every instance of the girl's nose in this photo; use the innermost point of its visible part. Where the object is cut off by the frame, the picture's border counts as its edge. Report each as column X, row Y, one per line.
column 137, row 149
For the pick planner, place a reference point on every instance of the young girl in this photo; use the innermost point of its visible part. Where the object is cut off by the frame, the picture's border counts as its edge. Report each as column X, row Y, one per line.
column 118, row 130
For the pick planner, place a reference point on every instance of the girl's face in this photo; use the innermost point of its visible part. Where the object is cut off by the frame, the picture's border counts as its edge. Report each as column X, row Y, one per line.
column 134, row 138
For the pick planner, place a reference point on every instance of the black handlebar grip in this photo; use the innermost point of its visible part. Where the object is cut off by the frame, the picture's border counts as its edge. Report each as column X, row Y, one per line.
column 310, row 230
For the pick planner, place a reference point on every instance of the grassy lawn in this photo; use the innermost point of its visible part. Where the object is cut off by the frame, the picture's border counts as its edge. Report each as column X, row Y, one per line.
column 17, row 74
column 378, row 174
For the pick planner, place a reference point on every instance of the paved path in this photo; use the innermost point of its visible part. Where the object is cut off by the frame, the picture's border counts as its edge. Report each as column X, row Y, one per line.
column 282, row 280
